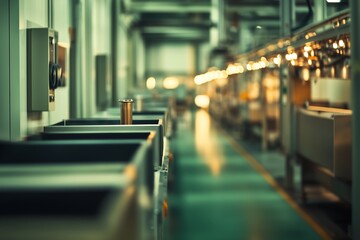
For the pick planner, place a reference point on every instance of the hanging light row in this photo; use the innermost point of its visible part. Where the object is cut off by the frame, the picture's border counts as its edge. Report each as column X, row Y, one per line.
column 312, row 55
column 237, row 68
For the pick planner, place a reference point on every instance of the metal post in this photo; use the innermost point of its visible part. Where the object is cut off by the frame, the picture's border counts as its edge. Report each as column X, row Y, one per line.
column 15, row 80
column 222, row 23
column 320, row 10
column 287, row 133
column 287, row 17
column 115, row 8
column 214, row 30
column 355, row 81
column 4, row 70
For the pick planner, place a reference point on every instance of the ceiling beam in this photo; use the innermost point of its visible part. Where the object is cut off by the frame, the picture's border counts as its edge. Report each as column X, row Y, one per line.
column 186, row 7
column 166, row 7
column 160, row 33
column 181, row 31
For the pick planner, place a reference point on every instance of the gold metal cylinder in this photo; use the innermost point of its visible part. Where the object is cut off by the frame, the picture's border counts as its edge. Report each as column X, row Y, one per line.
column 126, row 111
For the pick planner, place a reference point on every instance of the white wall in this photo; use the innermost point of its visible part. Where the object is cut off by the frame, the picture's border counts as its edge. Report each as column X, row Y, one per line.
column 94, row 32
column 171, row 58
column 139, row 58
column 101, row 26
column 35, row 13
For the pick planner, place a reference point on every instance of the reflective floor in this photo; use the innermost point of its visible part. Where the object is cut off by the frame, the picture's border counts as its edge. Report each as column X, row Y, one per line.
column 216, row 194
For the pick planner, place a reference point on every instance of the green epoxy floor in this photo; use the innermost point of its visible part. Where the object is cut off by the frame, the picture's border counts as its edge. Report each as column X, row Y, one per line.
column 217, row 195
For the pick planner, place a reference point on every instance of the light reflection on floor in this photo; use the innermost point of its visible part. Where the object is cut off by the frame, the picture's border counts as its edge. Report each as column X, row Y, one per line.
column 206, row 143
column 217, row 195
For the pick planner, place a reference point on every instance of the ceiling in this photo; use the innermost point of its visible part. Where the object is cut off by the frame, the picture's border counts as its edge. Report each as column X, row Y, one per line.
column 190, row 20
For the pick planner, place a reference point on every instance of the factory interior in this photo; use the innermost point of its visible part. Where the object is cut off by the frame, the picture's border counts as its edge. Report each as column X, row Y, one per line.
column 179, row 119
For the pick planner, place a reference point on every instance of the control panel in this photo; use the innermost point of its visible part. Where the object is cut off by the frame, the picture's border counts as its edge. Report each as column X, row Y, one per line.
column 43, row 71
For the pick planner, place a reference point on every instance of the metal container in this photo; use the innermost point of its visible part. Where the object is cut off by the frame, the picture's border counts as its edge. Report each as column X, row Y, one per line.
column 71, row 206
column 126, row 111
column 325, row 139
column 112, row 125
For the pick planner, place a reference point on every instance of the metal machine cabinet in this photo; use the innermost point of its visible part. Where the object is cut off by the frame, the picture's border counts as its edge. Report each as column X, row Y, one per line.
column 325, row 139
column 43, row 71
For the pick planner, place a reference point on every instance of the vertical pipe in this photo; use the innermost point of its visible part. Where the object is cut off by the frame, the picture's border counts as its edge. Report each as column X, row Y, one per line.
column 355, row 81
column 5, row 70
column 114, row 49
column 74, row 57
column 222, row 23
column 287, row 16
column 214, row 30
column 287, row 10
column 320, row 10
column 50, row 18
column 15, row 80
column 126, row 111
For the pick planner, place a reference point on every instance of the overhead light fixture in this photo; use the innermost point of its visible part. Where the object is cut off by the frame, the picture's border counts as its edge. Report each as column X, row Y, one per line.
column 258, row 27
column 202, row 101
column 151, row 83
column 171, row 83
column 333, row 1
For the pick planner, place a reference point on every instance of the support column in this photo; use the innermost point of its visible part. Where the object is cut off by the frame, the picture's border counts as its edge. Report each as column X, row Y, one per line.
column 214, row 30
column 15, row 89
column 355, row 81
column 287, row 16
column 287, row 10
column 320, row 12
column 4, row 70
column 115, row 13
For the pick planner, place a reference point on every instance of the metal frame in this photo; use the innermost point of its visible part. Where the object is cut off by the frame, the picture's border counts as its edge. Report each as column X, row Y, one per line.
column 355, row 76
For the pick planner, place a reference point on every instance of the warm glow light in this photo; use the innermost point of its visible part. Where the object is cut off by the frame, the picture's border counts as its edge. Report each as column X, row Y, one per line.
column 202, row 101
column 248, row 67
column 344, row 72
column 241, row 69
column 208, row 146
column 335, row 45
column 306, row 74
column 171, row 83
column 277, row 61
column 150, row 83
column 306, row 54
column 210, row 76
column 307, row 48
column 262, row 64
column 341, row 43
column 288, row 57
column 234, row 69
